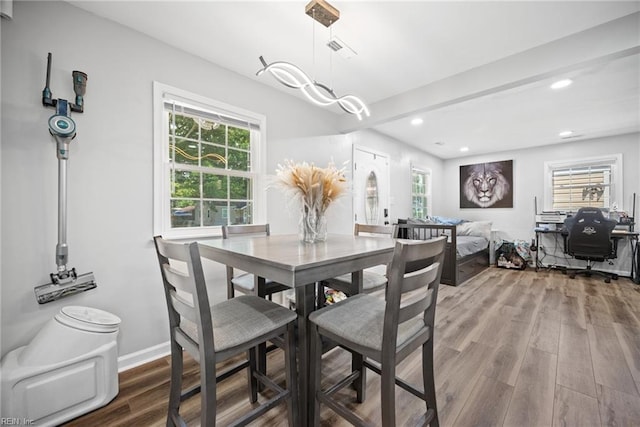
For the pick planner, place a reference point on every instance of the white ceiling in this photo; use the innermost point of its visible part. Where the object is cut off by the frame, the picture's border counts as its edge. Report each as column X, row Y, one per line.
column 403, row 46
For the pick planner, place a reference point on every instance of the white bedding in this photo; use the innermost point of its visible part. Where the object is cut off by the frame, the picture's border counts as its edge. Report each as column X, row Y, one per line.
column 467, row 245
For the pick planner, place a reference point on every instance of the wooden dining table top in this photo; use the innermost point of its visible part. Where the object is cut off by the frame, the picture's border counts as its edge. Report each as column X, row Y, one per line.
column 287, row 260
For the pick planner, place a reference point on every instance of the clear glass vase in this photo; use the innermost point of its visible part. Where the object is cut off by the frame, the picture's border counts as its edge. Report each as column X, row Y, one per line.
column 312, row 226
column 321, row 228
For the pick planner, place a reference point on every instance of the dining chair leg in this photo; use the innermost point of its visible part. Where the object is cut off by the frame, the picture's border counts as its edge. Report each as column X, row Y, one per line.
column 429, row 382
column 360, row 384
column 253, row 381
column 208, row 394
column 176, row 384
column 291, row 369
column 315, row 377
column 388, row 393
column 259, row 285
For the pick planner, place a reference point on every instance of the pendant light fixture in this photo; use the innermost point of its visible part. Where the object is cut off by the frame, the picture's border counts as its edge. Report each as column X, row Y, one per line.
column 293, row 77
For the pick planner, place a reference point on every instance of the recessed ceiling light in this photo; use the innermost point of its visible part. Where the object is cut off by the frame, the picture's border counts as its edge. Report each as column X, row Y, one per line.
column 417, row 121
column 464, row 149
column 561, row 84
column 565, row 134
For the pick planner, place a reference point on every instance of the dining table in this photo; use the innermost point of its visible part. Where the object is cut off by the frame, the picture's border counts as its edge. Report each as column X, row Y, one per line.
column 286, row 259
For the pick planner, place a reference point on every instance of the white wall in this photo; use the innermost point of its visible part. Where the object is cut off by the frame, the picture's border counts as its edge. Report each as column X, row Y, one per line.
column 110, row 166
column 319, row 150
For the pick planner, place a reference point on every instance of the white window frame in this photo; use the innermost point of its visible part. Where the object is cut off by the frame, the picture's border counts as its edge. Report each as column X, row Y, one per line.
column 428, row 187
column 615, row 160
column 162, row 168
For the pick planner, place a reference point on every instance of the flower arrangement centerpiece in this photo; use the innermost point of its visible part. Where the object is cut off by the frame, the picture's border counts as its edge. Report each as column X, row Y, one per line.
column 313, row 189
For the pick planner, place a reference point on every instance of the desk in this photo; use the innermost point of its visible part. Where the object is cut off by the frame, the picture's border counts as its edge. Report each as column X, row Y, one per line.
column 616, row 235
column 286, row 260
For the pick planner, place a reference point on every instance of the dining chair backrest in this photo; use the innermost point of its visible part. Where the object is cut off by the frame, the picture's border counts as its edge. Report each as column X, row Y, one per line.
column 372, row 229
column 245, row 282
column 186, row 295
column 244, row 230
column 412, row 292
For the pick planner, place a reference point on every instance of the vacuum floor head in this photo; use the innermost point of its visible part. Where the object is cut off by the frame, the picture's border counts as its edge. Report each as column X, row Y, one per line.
column 54, row 291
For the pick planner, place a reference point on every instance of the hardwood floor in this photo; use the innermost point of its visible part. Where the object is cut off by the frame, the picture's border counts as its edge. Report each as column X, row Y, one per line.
column 513, row 348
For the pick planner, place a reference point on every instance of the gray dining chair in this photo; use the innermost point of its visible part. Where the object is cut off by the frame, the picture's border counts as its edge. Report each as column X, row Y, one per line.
column 213, row 334
column 372, row 280
column 246, row 282
column 384, row 333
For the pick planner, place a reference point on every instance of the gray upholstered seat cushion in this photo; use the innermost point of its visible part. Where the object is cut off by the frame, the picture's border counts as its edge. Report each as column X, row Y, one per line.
column 360, row 319
column 241, row 319
column 371, row 281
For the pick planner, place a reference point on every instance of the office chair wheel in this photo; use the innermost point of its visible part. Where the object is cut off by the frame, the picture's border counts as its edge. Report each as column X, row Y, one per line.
column 614, row 276
column 573, row 276
column 607, row 280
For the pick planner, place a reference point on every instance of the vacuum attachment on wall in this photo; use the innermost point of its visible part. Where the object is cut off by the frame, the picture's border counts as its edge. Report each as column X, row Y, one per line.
column 64, row 282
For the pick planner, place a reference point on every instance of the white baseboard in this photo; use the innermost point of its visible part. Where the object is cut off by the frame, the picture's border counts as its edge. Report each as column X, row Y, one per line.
column 131, row 360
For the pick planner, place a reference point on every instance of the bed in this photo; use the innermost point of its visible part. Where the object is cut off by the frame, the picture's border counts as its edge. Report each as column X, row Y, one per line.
column 467, row 250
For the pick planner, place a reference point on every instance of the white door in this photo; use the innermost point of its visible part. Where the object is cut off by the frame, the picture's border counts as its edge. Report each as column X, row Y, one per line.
column 370, row 186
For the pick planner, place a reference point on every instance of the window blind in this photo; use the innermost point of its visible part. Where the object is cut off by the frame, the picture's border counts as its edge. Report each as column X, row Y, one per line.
column 574, row 188
column 214, row 116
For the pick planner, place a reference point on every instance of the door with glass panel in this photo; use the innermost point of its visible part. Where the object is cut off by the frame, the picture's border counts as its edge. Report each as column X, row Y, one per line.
column 370, row 186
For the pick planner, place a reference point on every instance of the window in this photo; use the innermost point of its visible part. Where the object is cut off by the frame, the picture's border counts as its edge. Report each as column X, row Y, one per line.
column 420, row 192
column 593, row 182
column 206, row 164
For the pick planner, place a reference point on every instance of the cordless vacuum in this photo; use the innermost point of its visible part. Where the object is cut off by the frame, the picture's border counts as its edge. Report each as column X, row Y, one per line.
column 64, row 282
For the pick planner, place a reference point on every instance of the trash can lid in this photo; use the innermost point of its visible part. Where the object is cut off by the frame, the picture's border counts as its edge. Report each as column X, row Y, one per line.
column 91, row 315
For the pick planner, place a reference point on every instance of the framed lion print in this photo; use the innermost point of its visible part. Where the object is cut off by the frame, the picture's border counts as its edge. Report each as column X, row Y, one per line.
column 487, row 185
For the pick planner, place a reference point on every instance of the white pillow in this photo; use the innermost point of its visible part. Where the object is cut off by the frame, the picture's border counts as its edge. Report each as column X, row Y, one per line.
column 475, row 228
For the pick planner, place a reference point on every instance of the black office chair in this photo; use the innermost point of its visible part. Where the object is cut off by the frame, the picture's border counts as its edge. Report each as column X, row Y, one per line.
column 589, row 238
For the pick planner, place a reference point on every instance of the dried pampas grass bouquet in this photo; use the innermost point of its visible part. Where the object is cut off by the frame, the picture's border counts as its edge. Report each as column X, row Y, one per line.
column 313, row 189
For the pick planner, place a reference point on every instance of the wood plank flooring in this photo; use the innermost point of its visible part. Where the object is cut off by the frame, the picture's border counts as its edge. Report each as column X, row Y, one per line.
column 512, row 348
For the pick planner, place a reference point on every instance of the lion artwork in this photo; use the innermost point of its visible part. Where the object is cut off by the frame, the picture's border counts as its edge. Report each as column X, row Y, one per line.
column 485, row 186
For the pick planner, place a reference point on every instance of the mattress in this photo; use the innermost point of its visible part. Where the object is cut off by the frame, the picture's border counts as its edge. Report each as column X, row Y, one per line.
column 467, row 245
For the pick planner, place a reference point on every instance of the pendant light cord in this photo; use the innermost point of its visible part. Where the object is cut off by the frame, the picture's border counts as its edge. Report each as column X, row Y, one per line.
column 313, row 45
column 330, row 58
